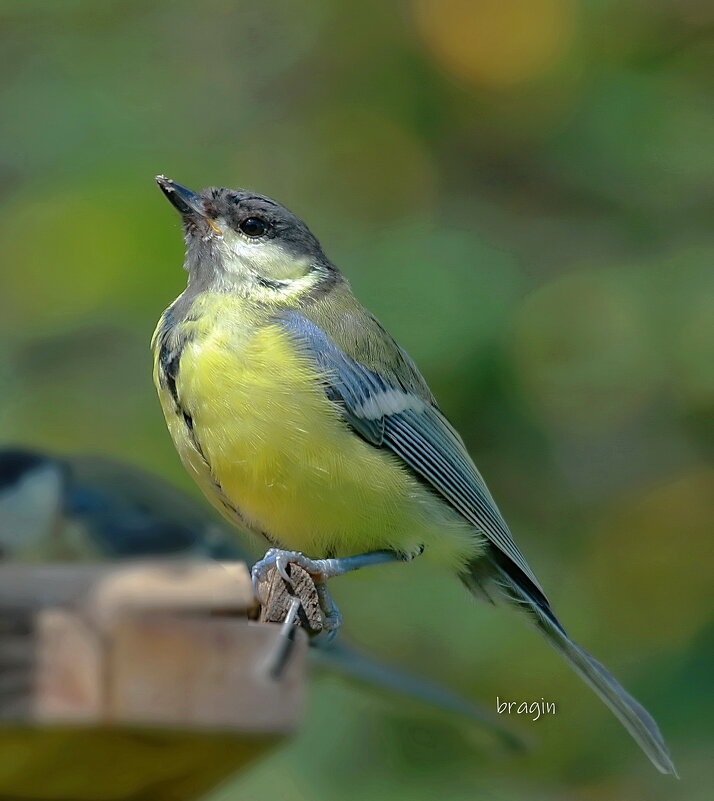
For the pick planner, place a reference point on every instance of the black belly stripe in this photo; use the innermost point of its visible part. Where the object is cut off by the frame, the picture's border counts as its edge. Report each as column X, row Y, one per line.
column 169, row 360
column 169, row 363
column 192, row 435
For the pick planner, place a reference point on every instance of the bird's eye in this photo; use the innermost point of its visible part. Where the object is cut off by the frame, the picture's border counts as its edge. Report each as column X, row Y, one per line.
column 254, row 226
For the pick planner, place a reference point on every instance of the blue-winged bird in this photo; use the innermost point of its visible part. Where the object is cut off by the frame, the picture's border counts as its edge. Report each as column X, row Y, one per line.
column 304, row 421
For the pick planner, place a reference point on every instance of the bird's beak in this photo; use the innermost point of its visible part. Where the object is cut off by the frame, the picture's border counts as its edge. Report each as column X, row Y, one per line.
column 187, row 202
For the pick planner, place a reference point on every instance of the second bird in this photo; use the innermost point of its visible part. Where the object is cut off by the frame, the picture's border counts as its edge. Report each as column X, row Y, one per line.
column 303, row 420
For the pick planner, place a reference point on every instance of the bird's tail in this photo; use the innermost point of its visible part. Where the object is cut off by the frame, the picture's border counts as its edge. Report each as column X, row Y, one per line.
column 633, row 716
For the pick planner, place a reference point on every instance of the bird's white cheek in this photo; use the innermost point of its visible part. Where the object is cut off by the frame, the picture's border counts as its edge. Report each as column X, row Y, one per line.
column 235, row 251
column 265, row 258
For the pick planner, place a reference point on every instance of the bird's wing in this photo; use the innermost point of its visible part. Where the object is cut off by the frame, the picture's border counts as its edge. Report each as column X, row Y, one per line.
column 392, row 408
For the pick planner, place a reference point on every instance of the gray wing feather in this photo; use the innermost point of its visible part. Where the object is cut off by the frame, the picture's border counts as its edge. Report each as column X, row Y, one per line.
column 390, row 415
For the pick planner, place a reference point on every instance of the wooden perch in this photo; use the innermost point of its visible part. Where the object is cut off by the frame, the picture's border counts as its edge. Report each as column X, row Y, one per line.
column 143, row 681
column 275, row 595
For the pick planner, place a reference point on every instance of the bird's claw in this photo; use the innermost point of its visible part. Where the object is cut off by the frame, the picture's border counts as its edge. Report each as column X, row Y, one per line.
column 279, row 559
column 318, row 569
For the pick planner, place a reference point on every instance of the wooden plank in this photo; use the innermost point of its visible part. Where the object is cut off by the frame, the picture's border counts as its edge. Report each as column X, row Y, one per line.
column 68, row 671
column 110, row 587
column 206, row 673
column 137, row 681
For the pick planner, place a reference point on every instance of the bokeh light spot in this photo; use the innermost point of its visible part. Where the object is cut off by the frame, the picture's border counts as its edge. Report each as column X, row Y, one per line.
column 495, row 43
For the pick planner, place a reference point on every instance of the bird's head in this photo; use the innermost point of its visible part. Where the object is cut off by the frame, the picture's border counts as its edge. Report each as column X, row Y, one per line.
column 236, row 239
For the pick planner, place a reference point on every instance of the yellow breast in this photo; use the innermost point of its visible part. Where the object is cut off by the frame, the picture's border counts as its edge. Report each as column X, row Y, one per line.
column 260, row 436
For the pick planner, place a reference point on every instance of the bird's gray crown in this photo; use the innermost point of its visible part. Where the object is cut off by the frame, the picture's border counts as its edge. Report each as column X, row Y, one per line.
column 238, row 207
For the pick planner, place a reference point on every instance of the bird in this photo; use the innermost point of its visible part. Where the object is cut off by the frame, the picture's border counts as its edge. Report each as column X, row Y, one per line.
column 302, row 420
column 86, row 507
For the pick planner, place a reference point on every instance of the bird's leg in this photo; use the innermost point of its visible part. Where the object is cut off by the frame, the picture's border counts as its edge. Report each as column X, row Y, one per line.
column 320, row 570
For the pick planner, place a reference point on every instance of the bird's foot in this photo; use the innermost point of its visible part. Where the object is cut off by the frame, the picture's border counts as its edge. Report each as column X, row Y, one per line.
column 318, row 569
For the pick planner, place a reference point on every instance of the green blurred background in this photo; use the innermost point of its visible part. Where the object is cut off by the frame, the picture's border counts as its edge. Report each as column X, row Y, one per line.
column 518, row 189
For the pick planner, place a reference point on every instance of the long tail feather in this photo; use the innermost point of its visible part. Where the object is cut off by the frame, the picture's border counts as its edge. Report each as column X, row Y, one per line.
column 633, row 716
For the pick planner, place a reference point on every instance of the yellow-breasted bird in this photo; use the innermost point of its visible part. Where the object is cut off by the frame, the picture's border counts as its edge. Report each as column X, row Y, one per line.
column 304, row 421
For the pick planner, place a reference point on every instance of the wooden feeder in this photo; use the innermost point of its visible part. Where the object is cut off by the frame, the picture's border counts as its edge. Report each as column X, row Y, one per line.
column 138, row 681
